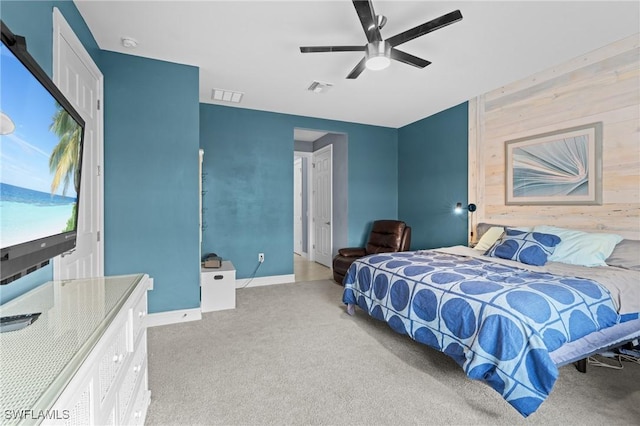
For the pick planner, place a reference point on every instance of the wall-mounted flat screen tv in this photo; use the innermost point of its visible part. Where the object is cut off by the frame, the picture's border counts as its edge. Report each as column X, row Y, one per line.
column 41, row 137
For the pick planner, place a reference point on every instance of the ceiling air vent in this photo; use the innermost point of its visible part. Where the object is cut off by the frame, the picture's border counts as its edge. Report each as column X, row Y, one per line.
column 226, row 95
column 319, row 87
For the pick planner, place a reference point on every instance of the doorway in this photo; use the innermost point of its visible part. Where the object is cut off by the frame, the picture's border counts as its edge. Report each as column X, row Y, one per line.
column 310, row 146
column 304, row 265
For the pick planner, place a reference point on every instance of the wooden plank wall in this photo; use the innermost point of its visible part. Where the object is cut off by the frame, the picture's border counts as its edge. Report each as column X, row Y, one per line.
column 603, row 85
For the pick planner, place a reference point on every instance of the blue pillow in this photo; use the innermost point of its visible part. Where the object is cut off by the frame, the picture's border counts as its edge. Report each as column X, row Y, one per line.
column 531, row 248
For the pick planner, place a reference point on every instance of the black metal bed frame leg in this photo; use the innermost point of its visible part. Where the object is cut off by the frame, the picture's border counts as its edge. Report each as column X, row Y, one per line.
column 581, row 365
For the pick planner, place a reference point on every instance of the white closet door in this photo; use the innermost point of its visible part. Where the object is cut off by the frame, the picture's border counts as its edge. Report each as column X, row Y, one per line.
column 80, row 80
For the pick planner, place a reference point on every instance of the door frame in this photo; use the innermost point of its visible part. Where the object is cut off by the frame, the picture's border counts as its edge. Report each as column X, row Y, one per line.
column 62, row 29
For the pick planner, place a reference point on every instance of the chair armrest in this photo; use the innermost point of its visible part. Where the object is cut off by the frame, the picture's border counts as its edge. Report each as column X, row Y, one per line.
column 352, row 252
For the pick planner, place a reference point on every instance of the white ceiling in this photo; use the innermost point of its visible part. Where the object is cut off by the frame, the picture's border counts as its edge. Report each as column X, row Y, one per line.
column 253, row 47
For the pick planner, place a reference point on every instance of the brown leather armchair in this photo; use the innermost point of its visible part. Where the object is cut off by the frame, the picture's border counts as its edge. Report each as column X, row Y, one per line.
column 386, row 236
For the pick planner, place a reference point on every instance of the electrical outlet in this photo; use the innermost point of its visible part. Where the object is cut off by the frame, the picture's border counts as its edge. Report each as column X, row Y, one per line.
column 260, row 257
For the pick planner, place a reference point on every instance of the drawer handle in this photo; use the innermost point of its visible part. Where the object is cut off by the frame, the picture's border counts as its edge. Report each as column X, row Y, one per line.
column 218, row 277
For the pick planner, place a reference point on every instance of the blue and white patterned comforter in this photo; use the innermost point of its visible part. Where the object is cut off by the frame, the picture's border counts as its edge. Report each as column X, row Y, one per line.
column 498, row 322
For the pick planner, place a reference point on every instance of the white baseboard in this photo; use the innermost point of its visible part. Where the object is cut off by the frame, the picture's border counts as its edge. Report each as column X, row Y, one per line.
column 270, row 280
column 195, row 314
column 173, row 317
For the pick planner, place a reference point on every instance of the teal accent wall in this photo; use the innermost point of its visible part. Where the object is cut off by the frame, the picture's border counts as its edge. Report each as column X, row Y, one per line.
column 433, row 177
column 248, row 185
column 34, row 21
column 151, row 176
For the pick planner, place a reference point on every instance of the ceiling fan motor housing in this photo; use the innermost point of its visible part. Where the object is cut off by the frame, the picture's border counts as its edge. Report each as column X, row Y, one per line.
column 377, row 54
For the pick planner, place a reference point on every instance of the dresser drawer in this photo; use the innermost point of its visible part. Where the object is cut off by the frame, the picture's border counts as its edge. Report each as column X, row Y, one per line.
column 132, row 378
column 75, row 410
column 141, row 403
column 138, row 317
column 111, row 362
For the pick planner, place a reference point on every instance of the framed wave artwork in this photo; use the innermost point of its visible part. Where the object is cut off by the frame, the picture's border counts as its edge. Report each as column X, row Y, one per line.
column 560, row 167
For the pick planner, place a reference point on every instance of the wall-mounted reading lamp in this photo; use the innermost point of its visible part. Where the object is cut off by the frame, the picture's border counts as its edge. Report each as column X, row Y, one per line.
column 470, row 207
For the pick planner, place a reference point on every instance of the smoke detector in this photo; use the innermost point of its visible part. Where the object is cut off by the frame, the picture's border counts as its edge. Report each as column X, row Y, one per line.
column 129, row 42
column 319, row 87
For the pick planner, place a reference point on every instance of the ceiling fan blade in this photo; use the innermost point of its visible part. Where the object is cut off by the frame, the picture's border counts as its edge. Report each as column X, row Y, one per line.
column 358, row 69
column 314, row 49
column 425, row 28
column 368, row 20
column 401, row 56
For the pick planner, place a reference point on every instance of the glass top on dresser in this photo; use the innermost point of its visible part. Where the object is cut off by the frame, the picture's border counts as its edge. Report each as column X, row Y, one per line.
column 37, row 362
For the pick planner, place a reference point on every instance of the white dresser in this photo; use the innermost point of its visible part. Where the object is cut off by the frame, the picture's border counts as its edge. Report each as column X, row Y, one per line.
column 84, row 360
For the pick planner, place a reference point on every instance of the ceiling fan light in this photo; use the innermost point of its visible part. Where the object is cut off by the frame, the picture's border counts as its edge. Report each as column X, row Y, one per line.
column 378, row 55
column 376, row 63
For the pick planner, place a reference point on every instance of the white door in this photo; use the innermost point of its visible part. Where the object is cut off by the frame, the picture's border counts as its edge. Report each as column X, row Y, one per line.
column 297, row 205
column 322, row 206
column 80, row 80
column 200, row 196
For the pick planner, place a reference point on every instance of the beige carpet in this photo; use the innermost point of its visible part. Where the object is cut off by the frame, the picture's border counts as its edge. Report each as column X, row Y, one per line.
column 289, row 354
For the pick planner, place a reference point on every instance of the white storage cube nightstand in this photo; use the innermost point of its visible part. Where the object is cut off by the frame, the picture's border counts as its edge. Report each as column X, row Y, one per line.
column 218, row 288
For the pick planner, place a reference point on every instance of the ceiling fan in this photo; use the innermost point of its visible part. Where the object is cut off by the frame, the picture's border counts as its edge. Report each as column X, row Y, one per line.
column 379, row 52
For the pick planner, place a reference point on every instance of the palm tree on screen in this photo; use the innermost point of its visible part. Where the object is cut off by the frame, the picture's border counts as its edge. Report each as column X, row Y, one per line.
column 65, row 157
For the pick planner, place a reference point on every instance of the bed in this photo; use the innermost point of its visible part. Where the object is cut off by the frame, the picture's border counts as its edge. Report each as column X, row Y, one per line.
column 507, row 323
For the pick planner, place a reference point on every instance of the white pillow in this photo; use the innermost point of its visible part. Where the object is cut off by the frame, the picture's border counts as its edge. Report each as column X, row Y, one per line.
column 489, row 238
column 581, row 248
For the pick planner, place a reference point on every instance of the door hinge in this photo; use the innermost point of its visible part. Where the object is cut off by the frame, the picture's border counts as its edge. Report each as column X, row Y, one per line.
column 98, row 102
column 98, row 167
column 98, row 235
column 313, row 165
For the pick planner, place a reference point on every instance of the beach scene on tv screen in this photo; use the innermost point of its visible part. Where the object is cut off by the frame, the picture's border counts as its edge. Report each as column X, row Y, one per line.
column 39, row 158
